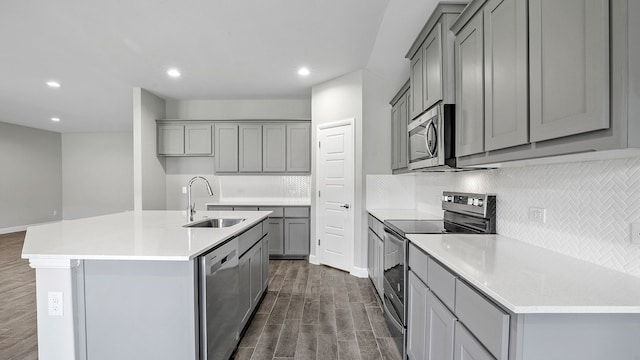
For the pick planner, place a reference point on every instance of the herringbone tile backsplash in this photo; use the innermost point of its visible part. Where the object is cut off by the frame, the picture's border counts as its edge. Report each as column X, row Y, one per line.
column 589, row 206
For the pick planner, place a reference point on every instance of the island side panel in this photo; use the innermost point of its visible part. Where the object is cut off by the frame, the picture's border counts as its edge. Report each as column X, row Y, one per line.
column 141, row 310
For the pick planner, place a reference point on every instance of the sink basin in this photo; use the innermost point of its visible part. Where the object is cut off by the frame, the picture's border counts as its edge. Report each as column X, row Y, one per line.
column 214, row 223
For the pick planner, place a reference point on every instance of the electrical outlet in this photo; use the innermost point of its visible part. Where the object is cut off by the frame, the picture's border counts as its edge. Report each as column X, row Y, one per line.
column 538, row 214
column 184, row 189
column 55, row 212
column 55, row 303
column 635, row 233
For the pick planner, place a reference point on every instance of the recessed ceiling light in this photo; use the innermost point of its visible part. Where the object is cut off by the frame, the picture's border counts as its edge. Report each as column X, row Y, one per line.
column 53, row 84
column 174, row 73
column 55, row 119
column 303, row 71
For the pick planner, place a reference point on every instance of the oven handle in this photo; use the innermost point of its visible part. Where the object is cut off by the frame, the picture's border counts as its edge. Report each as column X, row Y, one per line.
column 392, row 318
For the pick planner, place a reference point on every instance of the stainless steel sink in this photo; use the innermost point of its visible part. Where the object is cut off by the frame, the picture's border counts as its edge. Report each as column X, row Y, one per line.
column 214, row 223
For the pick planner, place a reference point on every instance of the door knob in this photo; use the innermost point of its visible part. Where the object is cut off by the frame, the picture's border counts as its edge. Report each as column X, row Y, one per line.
column 346, row 206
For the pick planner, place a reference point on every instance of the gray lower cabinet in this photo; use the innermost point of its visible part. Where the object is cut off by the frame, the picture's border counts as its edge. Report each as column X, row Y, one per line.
column 274, row 147
column 226, row 140
column 265, row 262
column 467, row 347
column 251, row 269
column 376, row 253
column 299, row 147
column 275, row 228
column 469, row 51
column 399, row 122
column 250, row 148
column 569, row 93
column 296, row 236
column 184, row 140
column 440, row 329
column 506, row 108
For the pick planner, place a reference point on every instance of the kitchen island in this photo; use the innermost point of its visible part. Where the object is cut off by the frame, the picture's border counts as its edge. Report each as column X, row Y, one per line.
column 125, row 285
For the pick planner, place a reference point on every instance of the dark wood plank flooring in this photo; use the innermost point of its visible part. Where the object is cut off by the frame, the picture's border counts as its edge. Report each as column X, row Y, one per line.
column 18, row 334
column 310, row 312
column 317, row 312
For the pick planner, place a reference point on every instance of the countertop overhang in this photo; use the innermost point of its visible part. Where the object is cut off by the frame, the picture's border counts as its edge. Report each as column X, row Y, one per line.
column 137, row 235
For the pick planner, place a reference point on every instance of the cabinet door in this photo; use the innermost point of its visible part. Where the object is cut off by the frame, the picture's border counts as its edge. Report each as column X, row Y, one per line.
column 569, row 60
column 416, row 89
column 197, row 140
column 371, row 255
column 170, row 139
column 379, row 266
column 256, row 274
column 416, row 318
column 440, row 330
column 275, row 236
column 226, row 143
column 299, row 147
column 432, row 54
column 395, row 137
column 296, row 236
column 469, row 88
column 265, row 262
column 274, row 147
column 467, row 347
column 403, row 136
column 505, row 74
column 250, row 157
column 244, row 300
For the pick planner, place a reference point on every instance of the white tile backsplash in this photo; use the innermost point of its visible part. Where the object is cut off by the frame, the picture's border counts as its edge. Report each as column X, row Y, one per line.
column 391, row 191
column 264, row 187
column 589, row 206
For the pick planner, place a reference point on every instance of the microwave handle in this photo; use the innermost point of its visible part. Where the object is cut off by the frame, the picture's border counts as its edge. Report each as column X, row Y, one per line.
column 426, row 138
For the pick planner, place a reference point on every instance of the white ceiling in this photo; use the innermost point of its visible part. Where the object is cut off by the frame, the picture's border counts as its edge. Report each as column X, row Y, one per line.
column 225, row 49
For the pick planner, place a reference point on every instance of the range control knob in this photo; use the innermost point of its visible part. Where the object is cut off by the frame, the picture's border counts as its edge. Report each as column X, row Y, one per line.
column 469, row 201
column 444, row 198
column 480, row 202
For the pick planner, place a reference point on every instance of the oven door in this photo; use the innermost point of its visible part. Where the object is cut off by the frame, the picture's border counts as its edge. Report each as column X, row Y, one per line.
column 425, row 140
column 394, row 273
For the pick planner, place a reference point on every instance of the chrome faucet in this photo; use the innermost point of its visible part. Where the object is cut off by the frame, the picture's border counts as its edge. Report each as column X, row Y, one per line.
column 191, row 207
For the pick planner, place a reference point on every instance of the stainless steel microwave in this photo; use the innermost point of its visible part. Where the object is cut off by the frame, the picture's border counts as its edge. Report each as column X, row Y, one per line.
column 432, row 141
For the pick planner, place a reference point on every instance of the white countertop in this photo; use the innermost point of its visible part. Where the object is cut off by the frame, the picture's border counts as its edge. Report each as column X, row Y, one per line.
column 528, row 279
column 403, row 214
column 261, row 202
column 138, row 235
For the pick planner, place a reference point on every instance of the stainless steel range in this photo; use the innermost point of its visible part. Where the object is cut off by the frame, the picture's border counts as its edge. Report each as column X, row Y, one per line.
column 463, row 213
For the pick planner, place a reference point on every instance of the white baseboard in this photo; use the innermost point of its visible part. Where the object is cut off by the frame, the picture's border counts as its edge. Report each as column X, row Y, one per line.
column 313, row 260
column 359, row 272
column 13, row 229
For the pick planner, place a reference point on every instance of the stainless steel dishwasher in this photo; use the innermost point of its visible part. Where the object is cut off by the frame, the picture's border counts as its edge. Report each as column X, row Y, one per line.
column 219, row 331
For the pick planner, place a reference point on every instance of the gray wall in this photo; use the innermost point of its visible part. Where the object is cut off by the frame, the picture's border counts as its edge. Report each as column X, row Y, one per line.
column 97, row 174
column 148, row 168
column 31, row 180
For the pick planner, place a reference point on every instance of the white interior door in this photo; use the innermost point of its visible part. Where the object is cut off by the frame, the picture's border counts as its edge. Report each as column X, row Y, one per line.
column 335, row 175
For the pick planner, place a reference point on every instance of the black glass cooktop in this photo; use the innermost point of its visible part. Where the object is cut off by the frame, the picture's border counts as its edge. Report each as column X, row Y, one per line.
column 404, row 227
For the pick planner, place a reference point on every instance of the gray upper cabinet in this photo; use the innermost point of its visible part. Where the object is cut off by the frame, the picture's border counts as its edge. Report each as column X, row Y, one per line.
column 399, row 122
column 250, row 148
column 470, row 88
column 416, row 107
column 197, row 140
column 431, row 57
column 432, row 73
column 299, row 147
column 226, row 140
column 170, row 139
column 569, row 59
column 506, row 112
column 274, row 148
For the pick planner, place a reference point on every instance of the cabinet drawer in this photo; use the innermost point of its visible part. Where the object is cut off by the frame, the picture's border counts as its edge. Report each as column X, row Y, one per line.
column 486, row 321
column 245, row 208
column 276, row 212
column 300, row 212
column 219, row 208
column 249, row 237
column 442, row 283
column 418, row 262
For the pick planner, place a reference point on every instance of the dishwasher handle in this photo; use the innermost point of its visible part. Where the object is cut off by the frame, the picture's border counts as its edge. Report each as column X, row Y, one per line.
column 219, row 264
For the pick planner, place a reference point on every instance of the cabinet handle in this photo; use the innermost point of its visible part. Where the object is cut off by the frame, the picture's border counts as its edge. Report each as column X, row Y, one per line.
column 346, row 206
